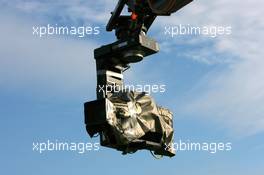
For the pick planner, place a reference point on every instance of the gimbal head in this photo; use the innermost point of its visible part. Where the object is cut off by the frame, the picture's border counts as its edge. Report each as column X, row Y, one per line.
column 130, row 121
column 143, row 13
column 131, row 30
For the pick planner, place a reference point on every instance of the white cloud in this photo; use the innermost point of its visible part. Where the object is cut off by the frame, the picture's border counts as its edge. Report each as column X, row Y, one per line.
column 234, row 97
column 73, row 11
column 244, row 18
column 55, row 65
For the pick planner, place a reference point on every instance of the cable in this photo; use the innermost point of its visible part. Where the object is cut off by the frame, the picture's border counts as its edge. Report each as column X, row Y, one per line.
column 156, row 156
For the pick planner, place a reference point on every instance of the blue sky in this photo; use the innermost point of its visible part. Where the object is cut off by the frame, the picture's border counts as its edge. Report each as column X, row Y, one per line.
column 215, row 88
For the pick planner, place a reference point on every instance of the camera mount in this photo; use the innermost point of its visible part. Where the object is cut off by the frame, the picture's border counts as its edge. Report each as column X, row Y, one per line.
column 130, row 121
